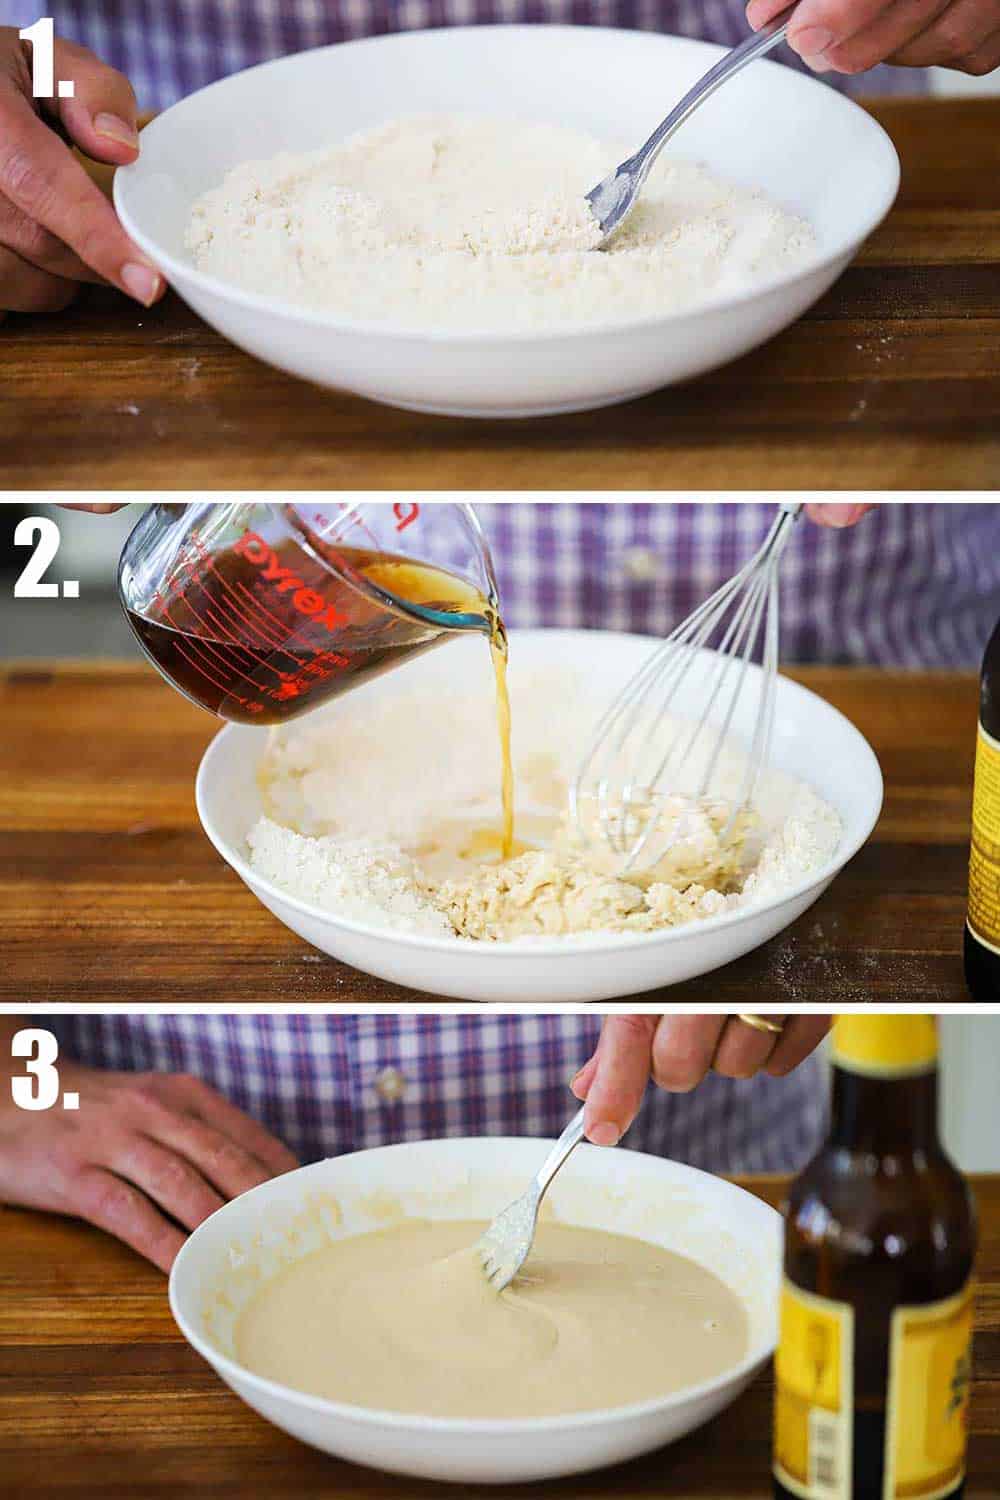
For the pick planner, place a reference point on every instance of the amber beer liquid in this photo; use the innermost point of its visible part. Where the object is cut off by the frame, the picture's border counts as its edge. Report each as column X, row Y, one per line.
column 874, row 1356
column 982, row 928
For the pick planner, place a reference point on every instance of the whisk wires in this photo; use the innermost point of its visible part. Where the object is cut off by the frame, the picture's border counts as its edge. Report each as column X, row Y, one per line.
column 629, row 763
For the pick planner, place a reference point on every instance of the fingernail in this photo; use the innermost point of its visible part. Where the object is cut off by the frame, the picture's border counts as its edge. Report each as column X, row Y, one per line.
column 142, row 282
column 816, row 64
column 812, row 41
column 116, row 129
column 838, row 516
column 604, row 1133
column 810, row 44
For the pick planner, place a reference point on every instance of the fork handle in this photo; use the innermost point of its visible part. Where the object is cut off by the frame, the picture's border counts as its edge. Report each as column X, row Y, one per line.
column 757, row 45
column 570, row 1138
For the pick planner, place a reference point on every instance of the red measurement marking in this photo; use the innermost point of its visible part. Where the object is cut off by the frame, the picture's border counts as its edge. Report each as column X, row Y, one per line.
column 219, row 656
column 405, row 514
column 246, row 612
column 221, row 624
column 336, row 530
column 210, row 642
column 179, row 581
column 288, row 632
column 204, row 652
column 194, row 642
column 250, row 612
column 234, row 642
column 335, row 658
column 199, row 668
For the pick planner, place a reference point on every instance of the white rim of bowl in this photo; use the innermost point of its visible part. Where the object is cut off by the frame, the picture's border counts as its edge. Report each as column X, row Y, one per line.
column 544, row 947
column 379, row 1417
column 178, row 271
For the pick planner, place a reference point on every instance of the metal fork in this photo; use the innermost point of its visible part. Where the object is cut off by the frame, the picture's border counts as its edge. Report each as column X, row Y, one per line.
column 507, row 1243
column 612, row 200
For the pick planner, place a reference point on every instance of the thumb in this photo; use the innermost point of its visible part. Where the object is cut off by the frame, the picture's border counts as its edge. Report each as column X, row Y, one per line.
column 101, row 117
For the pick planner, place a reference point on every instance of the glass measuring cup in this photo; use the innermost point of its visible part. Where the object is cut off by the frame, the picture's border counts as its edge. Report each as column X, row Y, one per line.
column 261, row 611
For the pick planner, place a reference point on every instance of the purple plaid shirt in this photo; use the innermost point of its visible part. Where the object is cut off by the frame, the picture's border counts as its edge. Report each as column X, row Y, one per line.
column 329, row 1084
column 169, row 50
column 912, row 585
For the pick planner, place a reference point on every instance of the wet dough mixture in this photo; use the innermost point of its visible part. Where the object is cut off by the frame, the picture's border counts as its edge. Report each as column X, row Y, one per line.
column 468, row 222
column 576, row 887
column 385, row 824
column 404, row 1319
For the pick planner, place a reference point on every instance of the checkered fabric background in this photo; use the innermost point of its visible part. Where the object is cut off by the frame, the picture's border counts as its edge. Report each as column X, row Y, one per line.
column 170, row 49
column 329, row 1084
column 912, row 585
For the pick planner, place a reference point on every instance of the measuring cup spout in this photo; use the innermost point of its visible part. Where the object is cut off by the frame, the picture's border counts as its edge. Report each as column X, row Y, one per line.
column 429, row 561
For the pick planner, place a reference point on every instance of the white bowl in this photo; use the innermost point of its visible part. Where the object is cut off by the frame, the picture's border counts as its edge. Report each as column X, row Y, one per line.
column 711, row 1221
column 812, row 741
column 813, row 151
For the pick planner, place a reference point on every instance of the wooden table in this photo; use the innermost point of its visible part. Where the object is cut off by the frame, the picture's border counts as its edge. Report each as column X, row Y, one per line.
column 100, row 1396
column 110, row 892
column 891, row 381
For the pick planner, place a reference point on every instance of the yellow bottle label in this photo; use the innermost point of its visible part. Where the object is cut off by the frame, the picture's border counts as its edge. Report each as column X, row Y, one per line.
column 813, row 1406
column 930, row 1362
column 984, row 859
column 882, row 1046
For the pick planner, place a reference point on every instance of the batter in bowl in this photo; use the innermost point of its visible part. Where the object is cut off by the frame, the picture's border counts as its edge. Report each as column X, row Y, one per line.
column 404, row 1319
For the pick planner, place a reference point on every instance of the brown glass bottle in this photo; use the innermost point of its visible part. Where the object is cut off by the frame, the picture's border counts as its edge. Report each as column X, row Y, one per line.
column 982, row 929
column 873, row 1363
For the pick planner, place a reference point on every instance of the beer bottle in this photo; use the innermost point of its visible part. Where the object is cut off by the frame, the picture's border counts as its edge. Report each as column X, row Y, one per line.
column 982, row 928
column 873, row 1365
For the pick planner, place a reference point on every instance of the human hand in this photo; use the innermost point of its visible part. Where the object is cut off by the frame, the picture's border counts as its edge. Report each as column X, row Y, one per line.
column 146, row 1157
column 57, row 229
column 848, row 36
column 677, row 1051
column 95, row 510
column 837, row 516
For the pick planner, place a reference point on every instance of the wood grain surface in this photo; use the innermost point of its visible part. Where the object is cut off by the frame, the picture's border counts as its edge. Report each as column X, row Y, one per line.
column 891, row 381
column 110, row 892
column 100, row 1397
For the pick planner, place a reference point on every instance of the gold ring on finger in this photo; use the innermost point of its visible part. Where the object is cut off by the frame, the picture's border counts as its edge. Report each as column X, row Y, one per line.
column 761, row 1023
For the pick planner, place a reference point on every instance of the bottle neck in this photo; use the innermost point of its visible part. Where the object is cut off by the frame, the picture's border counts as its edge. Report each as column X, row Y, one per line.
column 885, row 1115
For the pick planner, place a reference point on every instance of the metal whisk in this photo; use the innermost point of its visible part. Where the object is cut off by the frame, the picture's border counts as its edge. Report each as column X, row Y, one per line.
column 629, row 768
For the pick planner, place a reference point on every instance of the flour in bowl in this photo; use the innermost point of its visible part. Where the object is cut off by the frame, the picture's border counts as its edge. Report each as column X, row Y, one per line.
column 375, row 813
column 475, row 223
